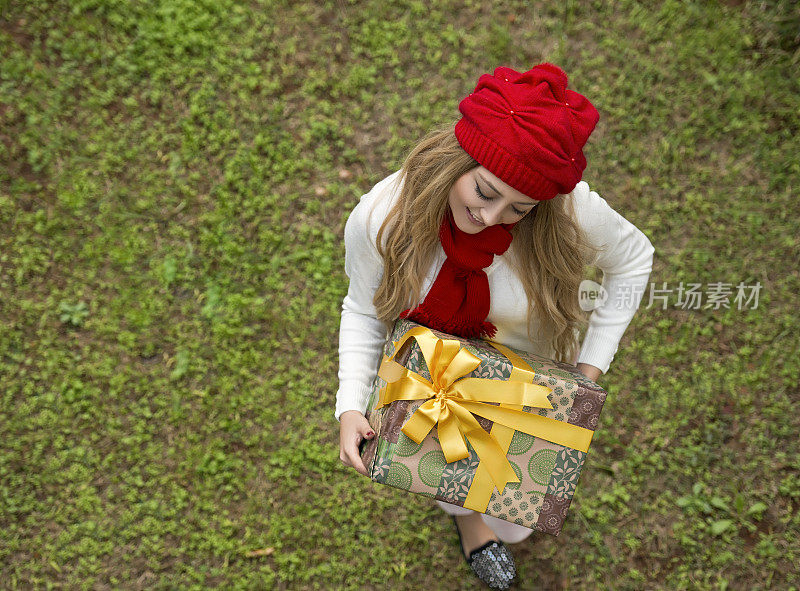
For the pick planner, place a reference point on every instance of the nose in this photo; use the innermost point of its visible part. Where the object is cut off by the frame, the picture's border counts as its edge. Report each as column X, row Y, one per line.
column 492, row 214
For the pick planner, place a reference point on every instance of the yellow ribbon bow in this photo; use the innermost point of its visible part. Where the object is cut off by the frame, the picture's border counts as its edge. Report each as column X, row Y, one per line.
column 451, row 402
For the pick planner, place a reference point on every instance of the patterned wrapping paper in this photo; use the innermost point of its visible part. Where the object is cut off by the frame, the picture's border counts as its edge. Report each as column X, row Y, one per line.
column 548, row 472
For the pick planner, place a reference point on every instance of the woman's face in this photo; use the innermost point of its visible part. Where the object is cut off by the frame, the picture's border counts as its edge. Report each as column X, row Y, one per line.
column 478, row 199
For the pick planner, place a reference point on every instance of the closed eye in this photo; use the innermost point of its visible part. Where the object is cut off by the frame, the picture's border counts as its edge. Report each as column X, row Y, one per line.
column 485, row 198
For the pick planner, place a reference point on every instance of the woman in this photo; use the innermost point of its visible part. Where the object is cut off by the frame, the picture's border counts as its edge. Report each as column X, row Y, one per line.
column 485, row 232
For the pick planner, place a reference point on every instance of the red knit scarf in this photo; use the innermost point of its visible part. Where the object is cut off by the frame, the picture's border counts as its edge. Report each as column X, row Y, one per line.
column 458, row 301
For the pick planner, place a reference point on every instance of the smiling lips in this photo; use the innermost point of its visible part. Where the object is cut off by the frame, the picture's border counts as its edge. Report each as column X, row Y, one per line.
column 473, row 218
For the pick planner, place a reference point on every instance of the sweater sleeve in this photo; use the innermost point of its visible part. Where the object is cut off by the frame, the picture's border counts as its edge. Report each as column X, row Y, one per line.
column 361, row 335
column 626, row 259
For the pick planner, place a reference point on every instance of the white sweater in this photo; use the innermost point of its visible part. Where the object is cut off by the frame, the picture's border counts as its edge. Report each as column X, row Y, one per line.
column 626, row 261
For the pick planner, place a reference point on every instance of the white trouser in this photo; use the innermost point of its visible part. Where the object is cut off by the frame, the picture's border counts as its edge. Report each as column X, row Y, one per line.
column 507, row 532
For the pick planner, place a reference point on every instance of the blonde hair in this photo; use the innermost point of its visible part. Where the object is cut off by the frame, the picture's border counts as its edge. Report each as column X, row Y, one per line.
column 548, row 251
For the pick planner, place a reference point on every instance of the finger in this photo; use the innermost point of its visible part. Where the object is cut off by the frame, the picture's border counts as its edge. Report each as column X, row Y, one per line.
column 346, row 453
column 355, row 461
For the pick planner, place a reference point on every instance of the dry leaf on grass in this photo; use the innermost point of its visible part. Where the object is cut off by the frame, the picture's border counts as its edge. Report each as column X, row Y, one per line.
column 261, row 552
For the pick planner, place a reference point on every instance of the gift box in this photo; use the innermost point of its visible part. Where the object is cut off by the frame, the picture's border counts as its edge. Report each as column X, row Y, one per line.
column 480, row 425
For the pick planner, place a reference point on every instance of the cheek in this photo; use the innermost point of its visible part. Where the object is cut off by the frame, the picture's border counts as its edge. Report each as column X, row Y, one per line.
column 457, row 199
column 454, row 201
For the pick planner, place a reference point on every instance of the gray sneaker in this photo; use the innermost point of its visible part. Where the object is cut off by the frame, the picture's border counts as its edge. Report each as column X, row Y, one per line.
column 492, row 563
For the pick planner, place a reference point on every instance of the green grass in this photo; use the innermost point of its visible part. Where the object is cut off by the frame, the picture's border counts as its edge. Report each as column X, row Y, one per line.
column 175, row 177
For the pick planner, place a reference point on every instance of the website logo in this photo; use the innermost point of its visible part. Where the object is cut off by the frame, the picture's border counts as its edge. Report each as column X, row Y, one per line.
column 591, row 295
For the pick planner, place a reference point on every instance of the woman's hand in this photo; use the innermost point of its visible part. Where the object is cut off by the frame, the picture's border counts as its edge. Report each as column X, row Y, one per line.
column 590, row 371
column 353, row 428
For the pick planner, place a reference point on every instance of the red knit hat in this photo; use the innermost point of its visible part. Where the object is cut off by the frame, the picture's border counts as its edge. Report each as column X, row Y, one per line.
column 528, row 129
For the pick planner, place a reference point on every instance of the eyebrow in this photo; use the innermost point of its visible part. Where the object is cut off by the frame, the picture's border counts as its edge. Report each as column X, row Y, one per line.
column 492, row 187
